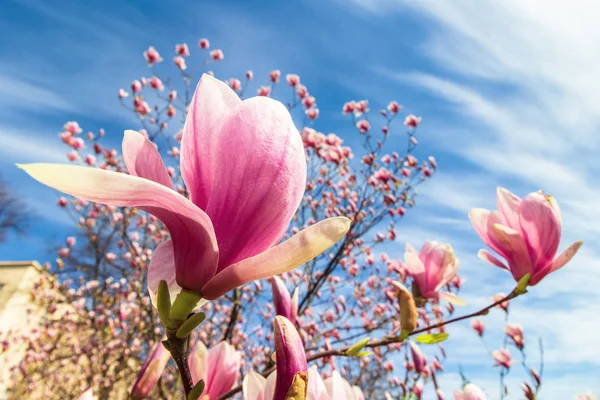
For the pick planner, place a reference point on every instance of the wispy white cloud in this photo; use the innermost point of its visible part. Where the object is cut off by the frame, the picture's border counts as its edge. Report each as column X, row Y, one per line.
column 23, row 145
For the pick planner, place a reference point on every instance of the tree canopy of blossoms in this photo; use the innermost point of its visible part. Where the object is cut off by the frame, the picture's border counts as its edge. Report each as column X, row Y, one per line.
column 230, row 249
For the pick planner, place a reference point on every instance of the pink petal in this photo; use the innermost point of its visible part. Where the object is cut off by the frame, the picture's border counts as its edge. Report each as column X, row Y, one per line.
column 195, row 249
column 482, row 221
column 558, row 263
column 415, row 267
column 212, row 102
column 270, row 386
column 316, row 386
column 223, row 369
column 162, row 267
column 515, row 249
column 433, row 255
column 198, row 362
column 508, row 205
column 297, row 250
column 142, row 159
column 335, row 386
column 259, row 179
column 451, row 298
column 253, row 386
column 489, row 257
column 282, row 299
column 358, row 393
column 541, row 229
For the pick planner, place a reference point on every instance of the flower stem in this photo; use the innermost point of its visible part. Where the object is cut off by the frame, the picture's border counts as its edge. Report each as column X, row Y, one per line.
column 179, row 352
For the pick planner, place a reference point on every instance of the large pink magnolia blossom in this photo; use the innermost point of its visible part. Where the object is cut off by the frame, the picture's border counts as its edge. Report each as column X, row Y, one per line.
column 525, row 232
column 469, row 392
column 244, row 165
column 432, row 268
column 219, row 367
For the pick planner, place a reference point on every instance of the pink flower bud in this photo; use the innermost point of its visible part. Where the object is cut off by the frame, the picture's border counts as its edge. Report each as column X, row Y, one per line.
column 502, row 358
column 478, row 326
column 71, row 241
column 394, row 107
column 152, row 56
column 217, row 55
column 182, row 49
column 203, row 44
column 292, row 79
column 412, row 121
column 275, row 75
column 180, row 62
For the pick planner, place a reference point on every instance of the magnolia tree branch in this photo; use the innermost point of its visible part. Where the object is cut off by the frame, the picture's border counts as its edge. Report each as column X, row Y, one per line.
column 386, row 340
column 179, row 350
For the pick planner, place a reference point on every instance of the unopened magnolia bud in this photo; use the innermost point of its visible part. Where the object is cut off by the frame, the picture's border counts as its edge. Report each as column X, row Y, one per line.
column 408, row 310
column 528, row 391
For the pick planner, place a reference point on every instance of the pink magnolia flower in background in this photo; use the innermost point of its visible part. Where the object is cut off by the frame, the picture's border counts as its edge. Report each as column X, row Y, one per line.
column 515, row 332
column 412, row 121
column 478, row 326
column 502, row 358
column 432, row 269
column 526, row 233
column 217, row 55
column 244, row 166
column 285, row 305
column 219, row 367
column 152, row 56
column 152, row 369
column 203, row 44
column 469, row 392
column 419, row 359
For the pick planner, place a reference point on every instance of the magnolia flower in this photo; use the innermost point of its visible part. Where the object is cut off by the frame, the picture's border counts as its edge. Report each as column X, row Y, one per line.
column 469, row 392
column 502, row 357
column 285, row 305
column 244, row 166
column 151, row 371
column 526, row 233
column 419, row 359
column 515, row 332
column 219, row 367
column 432, row 269
column 478, row 326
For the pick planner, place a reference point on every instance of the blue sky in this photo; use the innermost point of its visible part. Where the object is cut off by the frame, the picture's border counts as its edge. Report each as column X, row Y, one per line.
column 508, row 92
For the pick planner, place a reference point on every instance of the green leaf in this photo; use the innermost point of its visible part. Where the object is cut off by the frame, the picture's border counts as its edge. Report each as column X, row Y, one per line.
column 189, row 325
column 431, row 338
column 364, row 354
column 196, row 391
column 356, row 348
column 163, row 301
